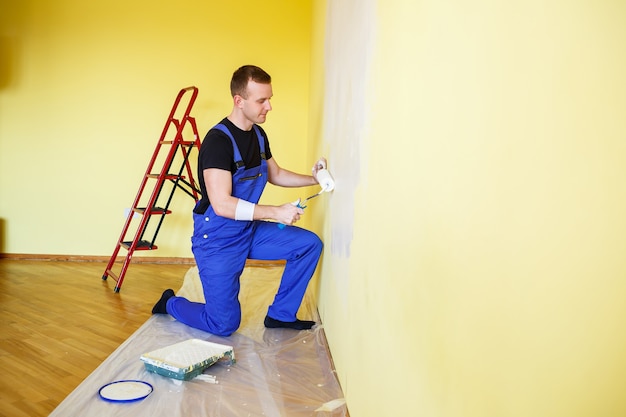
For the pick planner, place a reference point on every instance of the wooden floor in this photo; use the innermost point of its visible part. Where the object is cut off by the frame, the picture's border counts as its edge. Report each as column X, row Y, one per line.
column 60, row 320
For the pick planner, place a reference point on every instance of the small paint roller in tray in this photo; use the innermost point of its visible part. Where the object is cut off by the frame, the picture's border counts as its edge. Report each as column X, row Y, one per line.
column 186, row 360
column 325, row 181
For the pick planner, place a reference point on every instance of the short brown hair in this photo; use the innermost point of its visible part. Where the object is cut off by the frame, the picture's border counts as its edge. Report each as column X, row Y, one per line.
column 239, row 82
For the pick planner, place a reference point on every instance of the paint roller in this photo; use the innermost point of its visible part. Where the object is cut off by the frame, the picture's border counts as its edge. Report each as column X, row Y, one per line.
column 325, row 181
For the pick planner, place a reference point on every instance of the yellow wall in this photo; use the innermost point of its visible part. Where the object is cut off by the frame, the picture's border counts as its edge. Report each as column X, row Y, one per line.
column 85, row 90
column 474, row 243
column 483, row 271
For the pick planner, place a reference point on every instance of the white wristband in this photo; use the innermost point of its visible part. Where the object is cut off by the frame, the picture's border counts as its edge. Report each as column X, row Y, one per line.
column 244, row 210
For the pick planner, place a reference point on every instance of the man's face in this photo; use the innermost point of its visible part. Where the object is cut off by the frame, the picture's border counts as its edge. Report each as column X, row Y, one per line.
column 257, row 105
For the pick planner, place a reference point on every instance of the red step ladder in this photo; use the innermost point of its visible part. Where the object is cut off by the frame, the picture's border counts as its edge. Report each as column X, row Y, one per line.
column 146, row 209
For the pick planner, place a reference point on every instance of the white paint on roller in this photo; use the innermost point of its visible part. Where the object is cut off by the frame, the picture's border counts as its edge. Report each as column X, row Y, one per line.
column 325, row 180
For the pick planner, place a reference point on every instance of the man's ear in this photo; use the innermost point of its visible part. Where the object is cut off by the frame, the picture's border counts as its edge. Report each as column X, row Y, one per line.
column 238, row 100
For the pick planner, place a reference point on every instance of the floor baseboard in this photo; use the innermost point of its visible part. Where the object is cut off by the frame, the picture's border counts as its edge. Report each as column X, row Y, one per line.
column 136, row 259
column 90, row 258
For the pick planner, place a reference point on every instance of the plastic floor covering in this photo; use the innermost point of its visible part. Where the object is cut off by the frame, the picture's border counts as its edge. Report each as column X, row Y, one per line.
column 278, row 372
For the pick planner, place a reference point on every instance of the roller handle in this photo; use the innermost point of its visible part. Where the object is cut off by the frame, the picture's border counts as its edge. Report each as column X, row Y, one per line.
column 295, row 203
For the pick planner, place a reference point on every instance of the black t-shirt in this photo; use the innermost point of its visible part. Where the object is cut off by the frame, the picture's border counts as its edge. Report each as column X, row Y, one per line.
column 217, row 152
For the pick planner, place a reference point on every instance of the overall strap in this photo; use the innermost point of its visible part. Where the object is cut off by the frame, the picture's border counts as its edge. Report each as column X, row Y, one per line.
column 261, row 141
column 237, row 157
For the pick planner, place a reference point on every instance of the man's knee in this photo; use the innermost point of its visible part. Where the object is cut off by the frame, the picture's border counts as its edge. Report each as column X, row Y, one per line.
column 226, row 324
column 316, row 243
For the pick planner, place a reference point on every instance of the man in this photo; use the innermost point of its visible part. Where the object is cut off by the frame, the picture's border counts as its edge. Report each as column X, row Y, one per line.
column 234, row 164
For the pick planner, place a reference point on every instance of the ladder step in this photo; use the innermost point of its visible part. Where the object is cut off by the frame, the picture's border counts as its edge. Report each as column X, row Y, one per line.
column 182, row 142
column 112, row 274
column 141, row 245
column 155, row 210
column 166, row 176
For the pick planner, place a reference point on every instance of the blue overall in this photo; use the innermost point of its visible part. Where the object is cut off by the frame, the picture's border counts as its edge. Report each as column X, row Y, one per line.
column 221, row 247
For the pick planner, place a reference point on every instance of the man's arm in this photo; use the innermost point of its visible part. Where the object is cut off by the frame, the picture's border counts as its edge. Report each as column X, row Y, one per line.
column 218, row 184
column 285, row 178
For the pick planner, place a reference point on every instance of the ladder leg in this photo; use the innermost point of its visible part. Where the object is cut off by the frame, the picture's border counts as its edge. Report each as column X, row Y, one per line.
column 111, row 262
column 120, row 279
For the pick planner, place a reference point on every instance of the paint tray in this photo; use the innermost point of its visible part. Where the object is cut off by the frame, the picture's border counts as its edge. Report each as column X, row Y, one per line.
column 186, row 360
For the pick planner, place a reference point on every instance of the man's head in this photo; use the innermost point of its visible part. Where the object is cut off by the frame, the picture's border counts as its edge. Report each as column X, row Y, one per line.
column 239, row 82
column 252, row 90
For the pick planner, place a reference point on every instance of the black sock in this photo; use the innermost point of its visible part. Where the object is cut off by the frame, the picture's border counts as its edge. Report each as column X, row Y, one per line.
column 159, row 307
column 271, row 323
